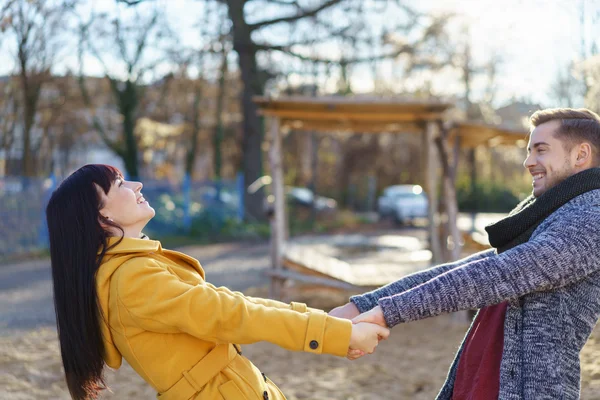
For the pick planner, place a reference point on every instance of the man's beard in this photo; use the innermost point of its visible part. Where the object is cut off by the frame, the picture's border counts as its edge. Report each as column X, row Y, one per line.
column 558, row 176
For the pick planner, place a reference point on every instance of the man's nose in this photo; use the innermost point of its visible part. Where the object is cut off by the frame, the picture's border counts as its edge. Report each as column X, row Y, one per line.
column 529, row 161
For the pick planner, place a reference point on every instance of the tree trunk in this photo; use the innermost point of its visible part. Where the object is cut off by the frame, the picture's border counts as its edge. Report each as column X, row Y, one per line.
column 190, row 159
column 128, row 102
column 218, row 138
column 253, row 86
column 30, row 92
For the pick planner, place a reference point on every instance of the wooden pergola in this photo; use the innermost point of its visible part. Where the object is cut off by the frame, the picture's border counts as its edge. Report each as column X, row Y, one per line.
column 356, row 115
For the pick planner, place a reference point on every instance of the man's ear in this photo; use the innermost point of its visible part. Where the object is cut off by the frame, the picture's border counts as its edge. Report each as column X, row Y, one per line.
column 584, row 154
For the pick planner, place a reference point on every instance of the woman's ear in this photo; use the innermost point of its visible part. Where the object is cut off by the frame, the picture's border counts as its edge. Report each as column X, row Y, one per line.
column 104, row 221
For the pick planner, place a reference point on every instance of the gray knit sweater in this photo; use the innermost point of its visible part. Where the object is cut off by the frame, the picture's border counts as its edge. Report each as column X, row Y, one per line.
column 552, row 283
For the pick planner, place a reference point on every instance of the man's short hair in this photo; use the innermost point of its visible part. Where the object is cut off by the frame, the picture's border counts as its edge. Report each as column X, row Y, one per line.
column 576, row 126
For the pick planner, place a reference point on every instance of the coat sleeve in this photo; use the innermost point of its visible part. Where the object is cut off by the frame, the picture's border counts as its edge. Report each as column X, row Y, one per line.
column 367, row 301
column 299, row 307
column 157, row 300
column 564, row 253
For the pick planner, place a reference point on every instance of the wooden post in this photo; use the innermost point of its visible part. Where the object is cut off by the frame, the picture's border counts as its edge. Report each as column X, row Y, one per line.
column 278, row 219
column 449, row 173
column 449, row 168
column 431, row 188
column 453, row 173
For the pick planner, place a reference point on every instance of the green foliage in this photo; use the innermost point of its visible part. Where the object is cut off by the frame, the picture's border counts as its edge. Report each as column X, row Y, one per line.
column 487, row 197
column 207, row 229
column 214, row 227
column 328, row 222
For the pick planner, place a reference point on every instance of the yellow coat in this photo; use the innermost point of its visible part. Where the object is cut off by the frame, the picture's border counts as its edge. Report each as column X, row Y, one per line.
column 178, row 331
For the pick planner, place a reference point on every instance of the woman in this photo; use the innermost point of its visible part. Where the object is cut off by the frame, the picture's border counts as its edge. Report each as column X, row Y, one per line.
column 118, row 294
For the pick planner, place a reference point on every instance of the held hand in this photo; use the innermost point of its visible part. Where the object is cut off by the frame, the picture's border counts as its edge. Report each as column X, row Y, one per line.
column 374, row 316
column 354, row 354
column 347, row 311
column 365, row 337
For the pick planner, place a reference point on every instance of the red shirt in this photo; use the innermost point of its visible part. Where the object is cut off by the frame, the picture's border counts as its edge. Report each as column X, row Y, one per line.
column 478, row 372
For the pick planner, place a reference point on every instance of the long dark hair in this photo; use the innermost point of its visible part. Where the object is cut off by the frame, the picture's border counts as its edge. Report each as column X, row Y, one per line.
column 77, row 244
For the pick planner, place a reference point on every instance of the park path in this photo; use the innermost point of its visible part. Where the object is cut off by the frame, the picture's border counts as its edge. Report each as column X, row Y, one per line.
column 26, row 287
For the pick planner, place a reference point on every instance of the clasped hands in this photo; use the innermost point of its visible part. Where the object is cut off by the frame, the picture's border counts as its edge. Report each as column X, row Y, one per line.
column 368, row 329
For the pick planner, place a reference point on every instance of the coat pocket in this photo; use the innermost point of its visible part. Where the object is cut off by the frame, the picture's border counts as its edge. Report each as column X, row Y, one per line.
column 230, row 391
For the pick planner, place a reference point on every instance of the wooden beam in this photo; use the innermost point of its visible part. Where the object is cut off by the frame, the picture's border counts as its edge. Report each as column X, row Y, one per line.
column 477, row 134
column 358, row 115
column 315, row 280
column 315, row 263
column 350, row 104
column 373, row 127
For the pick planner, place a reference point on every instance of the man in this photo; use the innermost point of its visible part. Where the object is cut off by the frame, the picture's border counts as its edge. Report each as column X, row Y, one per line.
column 538, row 291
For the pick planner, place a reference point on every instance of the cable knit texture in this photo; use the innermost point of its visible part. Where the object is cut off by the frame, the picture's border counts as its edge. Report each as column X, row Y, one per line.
column 551, row 280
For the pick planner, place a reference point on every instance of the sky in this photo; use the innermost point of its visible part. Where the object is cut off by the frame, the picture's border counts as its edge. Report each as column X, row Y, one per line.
column 534, row 38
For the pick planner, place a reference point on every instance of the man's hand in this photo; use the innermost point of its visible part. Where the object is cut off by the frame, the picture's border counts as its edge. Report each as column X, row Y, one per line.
column 365, row 338
column 374, row 316
column 347, row 311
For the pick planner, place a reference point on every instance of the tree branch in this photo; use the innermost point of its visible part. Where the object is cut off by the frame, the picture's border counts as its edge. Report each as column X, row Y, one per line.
column 284, row 3
column 130, row 2
column 339, row 33
column 87, row 100
column 406, row 49
column 292, row 18
column 142, row 39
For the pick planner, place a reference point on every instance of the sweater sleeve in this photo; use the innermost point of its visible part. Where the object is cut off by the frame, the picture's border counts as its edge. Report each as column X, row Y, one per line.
column 159, row 301
column 565, row 252
column 367, row 301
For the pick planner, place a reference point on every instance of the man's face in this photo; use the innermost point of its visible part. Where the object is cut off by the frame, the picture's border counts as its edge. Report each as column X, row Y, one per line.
column 548, row 162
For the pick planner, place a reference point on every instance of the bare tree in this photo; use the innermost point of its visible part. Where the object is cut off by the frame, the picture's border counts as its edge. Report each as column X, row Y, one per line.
column 292, row 24
column 567, row 89
column 36, row 27
column 126, row 40
column 575, row 83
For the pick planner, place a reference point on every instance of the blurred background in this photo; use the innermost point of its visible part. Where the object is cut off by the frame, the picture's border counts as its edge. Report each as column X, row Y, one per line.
column 163, row 90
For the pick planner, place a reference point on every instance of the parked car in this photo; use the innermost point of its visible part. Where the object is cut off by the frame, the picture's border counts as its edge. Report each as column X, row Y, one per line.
column 405, row 203
column 298, row 196
column 304, row 197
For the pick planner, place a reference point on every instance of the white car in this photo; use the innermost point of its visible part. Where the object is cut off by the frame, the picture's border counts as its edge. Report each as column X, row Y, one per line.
column 405, row 203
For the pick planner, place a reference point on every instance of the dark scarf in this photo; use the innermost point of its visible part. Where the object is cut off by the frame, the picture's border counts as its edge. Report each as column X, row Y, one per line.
column 518, row 226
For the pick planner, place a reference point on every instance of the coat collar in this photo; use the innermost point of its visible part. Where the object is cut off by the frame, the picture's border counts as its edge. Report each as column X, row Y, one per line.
column 132, row 245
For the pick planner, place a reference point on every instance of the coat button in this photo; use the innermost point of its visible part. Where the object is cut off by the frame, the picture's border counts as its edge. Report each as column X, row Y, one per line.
column 265, row 395
column 314, row 344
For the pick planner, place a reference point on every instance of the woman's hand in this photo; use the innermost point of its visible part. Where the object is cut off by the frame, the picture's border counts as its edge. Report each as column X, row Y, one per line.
column 365, row 338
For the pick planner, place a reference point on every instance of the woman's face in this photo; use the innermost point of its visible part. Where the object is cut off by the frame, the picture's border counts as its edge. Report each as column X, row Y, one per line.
column 125, row 206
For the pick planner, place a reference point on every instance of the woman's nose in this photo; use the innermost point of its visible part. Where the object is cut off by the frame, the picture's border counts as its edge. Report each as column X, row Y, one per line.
column 137, row 186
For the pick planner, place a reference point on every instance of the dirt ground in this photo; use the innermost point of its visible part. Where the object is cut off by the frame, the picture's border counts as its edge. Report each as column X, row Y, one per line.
column 410, row 365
